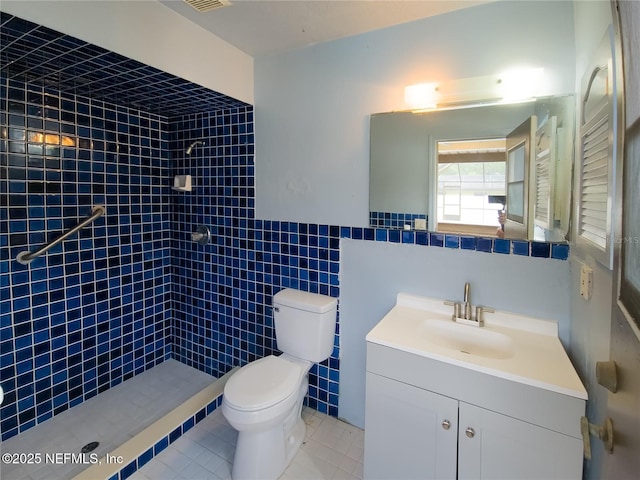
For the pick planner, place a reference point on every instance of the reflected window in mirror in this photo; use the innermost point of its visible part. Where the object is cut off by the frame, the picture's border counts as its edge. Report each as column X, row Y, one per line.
column 520, row 195
column 515, row 185
column 404, row 169
column 470, row 186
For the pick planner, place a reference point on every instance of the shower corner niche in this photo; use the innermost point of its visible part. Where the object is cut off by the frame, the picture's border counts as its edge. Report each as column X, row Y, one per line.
column 182, row 183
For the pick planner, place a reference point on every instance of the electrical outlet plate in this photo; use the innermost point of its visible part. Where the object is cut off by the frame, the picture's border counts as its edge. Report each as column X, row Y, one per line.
column 586, row 282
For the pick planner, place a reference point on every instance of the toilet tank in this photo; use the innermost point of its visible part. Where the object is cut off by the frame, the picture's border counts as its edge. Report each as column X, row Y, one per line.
column 305, row 324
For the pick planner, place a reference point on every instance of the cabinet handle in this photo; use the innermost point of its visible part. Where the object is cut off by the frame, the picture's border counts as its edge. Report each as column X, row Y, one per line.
column 470, row 432
column 446, row 424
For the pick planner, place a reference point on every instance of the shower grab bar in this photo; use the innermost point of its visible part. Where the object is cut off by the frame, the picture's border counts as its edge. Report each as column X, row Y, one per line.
column 26, row 257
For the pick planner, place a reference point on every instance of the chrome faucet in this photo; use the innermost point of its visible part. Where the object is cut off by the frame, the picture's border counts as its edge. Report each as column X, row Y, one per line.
column 464, row 312
column 467, row 303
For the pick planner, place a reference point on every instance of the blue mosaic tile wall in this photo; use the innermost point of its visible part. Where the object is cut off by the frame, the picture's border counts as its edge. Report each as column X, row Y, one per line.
column 394, row 219
column 96, row 309
column 48, row 58
column 223, row 291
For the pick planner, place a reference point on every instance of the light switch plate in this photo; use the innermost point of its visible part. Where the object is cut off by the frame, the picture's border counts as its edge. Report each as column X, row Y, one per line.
column 586, row 282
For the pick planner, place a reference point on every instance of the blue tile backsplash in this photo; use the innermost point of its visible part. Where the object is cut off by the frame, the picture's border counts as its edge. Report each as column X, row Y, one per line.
column 88, row 127
column 394, row 219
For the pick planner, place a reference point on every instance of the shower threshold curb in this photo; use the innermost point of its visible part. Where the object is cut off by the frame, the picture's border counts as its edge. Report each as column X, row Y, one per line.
column 125, row 460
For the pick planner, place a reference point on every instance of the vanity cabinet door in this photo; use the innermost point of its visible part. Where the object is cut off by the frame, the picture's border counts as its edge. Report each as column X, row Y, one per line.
column 410, row 433
column 494, row 446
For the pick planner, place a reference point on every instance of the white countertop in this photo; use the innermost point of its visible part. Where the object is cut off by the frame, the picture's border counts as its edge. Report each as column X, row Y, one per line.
column 538, row 358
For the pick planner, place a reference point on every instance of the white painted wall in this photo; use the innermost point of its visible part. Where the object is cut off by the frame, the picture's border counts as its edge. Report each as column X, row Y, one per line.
column 151, row 33
column 590, row 320
column 313, row 104
column 372, row 273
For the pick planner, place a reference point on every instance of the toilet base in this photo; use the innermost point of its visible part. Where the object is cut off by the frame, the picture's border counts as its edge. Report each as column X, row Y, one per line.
column 265, row 455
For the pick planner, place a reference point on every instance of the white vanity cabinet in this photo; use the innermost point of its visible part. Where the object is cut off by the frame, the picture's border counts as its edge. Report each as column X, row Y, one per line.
column 426, row 419
column 491, row 445
column 448, row 400
column 410, row 433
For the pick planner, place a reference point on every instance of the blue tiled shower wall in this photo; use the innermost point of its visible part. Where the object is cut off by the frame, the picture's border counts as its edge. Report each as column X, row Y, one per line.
column 97, row 309
column 223, row 291
column 133, row 290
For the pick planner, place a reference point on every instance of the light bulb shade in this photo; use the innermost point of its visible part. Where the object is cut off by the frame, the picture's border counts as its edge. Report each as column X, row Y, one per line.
column 421, row 95
column 520, row 84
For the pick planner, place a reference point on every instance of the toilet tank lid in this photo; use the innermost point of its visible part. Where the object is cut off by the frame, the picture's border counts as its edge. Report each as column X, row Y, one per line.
column 310, row 302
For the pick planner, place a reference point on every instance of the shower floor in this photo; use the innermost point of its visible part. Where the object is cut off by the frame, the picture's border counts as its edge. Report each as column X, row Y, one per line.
column 111, row 418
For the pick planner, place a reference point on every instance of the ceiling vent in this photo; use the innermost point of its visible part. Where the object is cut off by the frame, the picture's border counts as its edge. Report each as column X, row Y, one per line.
column 206, row 5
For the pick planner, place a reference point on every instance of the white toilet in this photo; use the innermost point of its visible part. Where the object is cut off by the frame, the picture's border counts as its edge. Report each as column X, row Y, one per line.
column 263, row 399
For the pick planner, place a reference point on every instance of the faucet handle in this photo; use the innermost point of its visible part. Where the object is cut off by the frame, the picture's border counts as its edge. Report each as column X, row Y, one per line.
column 480, row 310
column 456, row 309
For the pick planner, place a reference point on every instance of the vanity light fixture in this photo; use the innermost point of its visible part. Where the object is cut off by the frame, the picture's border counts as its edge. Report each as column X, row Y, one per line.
column 422, row 96
column 522, row 84
column 508, row 87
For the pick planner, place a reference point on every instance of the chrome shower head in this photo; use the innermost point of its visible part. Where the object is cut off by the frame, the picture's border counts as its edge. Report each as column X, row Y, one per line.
column 193, row 144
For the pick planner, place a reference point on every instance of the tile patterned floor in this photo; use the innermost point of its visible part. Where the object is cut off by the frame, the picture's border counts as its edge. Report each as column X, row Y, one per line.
column 332, row 450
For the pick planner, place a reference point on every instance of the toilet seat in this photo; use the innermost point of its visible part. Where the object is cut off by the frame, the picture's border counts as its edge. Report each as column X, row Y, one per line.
column 262, row 384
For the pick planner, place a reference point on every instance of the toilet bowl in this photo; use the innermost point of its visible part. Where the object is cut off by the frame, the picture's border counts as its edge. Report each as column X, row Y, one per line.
column 263, row 399
column 264, row 404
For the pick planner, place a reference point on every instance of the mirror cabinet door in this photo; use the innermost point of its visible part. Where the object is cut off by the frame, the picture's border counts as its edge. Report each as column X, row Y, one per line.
column 519, row 164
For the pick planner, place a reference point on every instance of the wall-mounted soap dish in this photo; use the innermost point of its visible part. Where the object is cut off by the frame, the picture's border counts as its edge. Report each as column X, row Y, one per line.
column 182, row 183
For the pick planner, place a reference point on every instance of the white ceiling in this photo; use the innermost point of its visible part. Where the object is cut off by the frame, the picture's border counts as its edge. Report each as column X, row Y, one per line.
column 262, row 27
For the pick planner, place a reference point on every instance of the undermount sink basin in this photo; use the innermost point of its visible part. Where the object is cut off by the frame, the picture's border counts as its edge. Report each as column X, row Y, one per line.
column 468, row 339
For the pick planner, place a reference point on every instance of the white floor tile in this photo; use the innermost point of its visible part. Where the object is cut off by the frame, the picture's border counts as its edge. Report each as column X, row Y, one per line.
column 157, row 470
column 317, row 459
column 190, row 448
column 194, row 471
column 174, row 459
column 355, row 452
column 224, row 471
column 210, row 461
